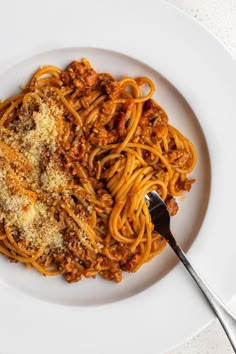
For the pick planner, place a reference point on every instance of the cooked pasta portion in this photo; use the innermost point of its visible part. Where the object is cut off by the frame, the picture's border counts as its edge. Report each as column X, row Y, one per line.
column 78, row 152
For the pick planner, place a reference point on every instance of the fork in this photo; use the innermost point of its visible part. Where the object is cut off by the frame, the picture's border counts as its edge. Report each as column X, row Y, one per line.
column 161, row 220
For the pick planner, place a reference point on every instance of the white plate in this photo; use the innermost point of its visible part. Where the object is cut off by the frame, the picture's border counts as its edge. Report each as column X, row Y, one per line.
column 192, row 204
column 171, row 309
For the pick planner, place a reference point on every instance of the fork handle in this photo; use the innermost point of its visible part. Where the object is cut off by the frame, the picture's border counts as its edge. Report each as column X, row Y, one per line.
column 227, row 320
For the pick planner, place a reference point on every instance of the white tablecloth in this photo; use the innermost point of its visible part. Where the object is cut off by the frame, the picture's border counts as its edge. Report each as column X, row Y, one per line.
column 218, row 16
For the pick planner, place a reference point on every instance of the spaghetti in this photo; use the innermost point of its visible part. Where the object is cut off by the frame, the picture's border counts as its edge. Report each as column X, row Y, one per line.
column 78, row 152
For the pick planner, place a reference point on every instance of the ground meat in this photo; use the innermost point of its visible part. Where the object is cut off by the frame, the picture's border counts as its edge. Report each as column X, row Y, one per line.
column 77, row 153
column 120, row 124
column 105, row 197
column 172, row 205
column 153, row 111
column 107, row 107
column 112, row 274
column 90, row 77
column 101, row 137
column 132, row 263
column 179, row 157
column 113, row 89
column 80, row 75
column 186, row 185
column 105, row 78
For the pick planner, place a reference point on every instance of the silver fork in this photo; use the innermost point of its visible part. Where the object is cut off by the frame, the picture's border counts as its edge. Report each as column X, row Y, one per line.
column 161, row 221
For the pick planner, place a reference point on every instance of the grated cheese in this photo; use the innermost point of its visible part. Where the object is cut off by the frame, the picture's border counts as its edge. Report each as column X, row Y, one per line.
column 9, row 202
column 52, row 178
column 36, row 139
column 35, row 227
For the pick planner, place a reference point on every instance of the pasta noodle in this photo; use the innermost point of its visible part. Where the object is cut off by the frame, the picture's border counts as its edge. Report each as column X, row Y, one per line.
column 78, row 153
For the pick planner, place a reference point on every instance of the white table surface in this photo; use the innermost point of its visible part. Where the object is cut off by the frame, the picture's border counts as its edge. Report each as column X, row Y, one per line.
column 219, row 16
